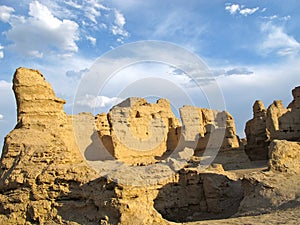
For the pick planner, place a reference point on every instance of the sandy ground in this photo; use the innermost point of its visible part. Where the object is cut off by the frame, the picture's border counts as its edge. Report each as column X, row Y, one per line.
column 289, row 216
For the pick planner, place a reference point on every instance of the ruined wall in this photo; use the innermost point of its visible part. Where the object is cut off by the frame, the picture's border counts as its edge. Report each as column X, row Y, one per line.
column 37, row 104
column 276, row 122
column 198, row 196
column 208, row 128
column 138, row 132
column 257, row 134
column 289, row 122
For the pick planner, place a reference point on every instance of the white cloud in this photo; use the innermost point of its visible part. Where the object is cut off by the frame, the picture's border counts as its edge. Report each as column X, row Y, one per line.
column 118, row 27
column 73, row 4
column 130, row 4
column 232, row 71
column 118, row 31
column 278, row 41
column 248, row 11
column 42, row 14
column 285, row 18
column 232, row 9
column 4, row 85
column 267, row 83
column 98, row 101
column 87, row 10
column 92, row 9
column 270, row 17
column 275, row 17
column 92, row 14
column 42, row 33
column 236, row 8
column 60, row 72
column 175, row 24
column 91, row 39
column 52, row 27
column 239, row 70
column 8, row 109
column 119, row 19
column 76, row 74
column 5, row 13
column 1, row 52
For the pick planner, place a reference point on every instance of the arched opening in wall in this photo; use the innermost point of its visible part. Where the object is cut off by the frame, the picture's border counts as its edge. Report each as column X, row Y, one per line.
column 137, row 115
column 199, row 196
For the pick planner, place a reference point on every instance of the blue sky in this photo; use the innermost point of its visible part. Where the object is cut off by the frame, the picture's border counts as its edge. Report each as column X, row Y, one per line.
column 251, row 47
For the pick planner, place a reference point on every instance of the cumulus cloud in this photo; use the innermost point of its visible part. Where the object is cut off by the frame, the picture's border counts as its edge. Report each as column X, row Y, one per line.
column 240, row 9
column 98, row 101
column 277, row 41
column 232, row 9
column 1, row 117
column 55, row 27
column 5, row 13
column 42, row 33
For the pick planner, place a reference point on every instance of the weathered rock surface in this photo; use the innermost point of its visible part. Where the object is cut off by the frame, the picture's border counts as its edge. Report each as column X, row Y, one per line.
column 295, row 104
column 40, row 163
column 284, row 156
column 289, row 123
column 37, row 104
column 196, row 196
column 274, row 112
column 257, row 134
column 269, row 191
column 276, row 122
column 46, row 178
column 277, row 188
column 208, row 128
column 138, row 132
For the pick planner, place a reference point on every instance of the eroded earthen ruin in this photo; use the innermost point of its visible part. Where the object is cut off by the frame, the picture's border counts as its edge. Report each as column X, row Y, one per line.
column 276, row 122
column 157, row 132
column 60, row 169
